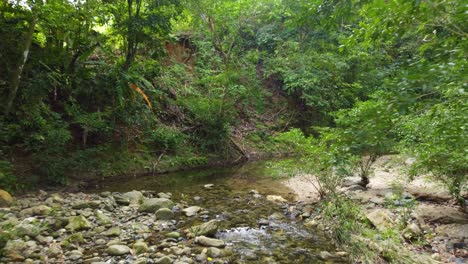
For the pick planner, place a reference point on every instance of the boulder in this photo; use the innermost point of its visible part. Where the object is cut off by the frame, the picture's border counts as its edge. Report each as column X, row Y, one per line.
column 164, row 214
column 206, row 229
column 192, row 210
column 380, row 219
column 153, row 204
column 5, row 198
column 76, row 223
column 118, row 250
column 209, row 242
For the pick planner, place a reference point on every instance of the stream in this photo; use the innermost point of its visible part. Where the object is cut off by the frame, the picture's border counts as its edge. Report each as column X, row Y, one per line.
column 258, row 231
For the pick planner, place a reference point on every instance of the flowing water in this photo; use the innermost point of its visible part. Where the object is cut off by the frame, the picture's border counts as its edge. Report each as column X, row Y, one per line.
column 256, row 230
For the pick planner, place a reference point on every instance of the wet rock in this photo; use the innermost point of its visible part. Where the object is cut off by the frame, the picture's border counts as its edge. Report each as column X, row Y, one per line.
column 118, row 250
column 276, row 199
column 76, row 223
column 209, row 242
column 191, row 211
column 380, row 219
column 164, row 214
column 140, row 247
column 5, row 198
column 113, row 232
column 153, row 204
column 36, row 210
column 208, row 186
column 206, row 229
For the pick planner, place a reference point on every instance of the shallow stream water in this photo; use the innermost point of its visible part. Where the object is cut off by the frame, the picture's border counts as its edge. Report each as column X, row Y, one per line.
column 258, row 231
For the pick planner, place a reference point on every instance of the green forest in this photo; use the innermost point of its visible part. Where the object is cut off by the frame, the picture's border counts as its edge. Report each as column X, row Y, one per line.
column 96, row 89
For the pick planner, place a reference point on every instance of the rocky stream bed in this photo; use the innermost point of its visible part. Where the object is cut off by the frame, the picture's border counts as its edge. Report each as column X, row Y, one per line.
column 212, row 224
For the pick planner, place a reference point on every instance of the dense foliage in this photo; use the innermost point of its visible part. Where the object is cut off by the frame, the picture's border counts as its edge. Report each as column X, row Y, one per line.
column 88, row 85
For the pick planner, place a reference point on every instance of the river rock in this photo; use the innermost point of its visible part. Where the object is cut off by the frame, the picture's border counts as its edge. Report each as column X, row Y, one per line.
column 173, row 234
column 86, row 204
column 76, row 223
column 113, row 232
column 380, row 219
column 192, row 210
column 118, row 250
column 164, row 214
column 325, row 255
column 214, row 252
column 206, row 229
column 411, row 231
column 140, row 247
column 36, row 210
column 14, row 247
column 102, row 219
column 153, row 204
column 28, row 227
column 165, row 195
column 209, row 242
column 135, row 197
column 276, row 199
column 163, row 260
column 5, row 198
column 75, row 255
column 208, row 186
column 54, row 250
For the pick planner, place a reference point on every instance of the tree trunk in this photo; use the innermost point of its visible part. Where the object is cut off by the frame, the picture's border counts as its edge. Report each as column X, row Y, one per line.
column 16, row 76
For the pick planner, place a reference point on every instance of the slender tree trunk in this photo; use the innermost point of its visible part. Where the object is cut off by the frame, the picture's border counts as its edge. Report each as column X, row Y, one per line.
column 16, row 76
